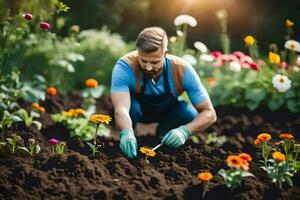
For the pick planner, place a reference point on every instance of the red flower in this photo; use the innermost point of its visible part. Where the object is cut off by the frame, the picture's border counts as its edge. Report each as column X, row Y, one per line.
column 45, row 25
column 215, row 54
column 53, row 141
column 27, row 16
column 254, row 66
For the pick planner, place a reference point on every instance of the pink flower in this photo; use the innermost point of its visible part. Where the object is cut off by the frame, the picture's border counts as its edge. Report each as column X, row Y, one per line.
column 45, row 25
column 53, row 141
column 238, row 54
column 283, row 65
column 215, row 54
column 27, row 16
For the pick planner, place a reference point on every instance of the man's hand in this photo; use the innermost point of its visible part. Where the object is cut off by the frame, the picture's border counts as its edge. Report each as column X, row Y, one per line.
column 128, row 143
column 176, row 137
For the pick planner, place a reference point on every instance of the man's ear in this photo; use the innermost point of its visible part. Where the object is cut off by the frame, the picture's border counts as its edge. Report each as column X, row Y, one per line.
column 166, row 52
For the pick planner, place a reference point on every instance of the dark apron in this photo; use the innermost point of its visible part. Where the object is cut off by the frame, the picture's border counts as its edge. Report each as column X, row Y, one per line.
column 155, row 107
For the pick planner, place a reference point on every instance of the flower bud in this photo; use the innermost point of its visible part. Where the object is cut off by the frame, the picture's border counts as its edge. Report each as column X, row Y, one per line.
column 45, row 25
column 27, row 16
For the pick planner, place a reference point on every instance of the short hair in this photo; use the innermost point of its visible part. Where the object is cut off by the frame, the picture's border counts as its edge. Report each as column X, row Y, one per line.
column 151, row 39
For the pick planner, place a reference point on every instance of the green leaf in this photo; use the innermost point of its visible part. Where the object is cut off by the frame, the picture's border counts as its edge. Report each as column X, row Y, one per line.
column 246, row 174
column 37, row 124
column 90, row 145
column 24, row 149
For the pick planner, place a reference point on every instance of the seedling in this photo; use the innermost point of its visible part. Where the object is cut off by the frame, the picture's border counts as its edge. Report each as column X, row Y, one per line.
column 13, row 141
column 262, row 142
column 149, row 152
column 33, row 147
column 57, row 146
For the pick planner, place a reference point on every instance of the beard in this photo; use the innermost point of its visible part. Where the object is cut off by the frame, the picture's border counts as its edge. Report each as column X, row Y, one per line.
column 152, row 74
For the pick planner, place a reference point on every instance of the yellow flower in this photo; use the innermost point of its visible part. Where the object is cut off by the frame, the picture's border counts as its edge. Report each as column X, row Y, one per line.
column 274, row 58
column 249, row 40
column 278, row 156
column 205, row 176
column 289, row 23
column 148, row 151
column 99, row 118
column 74, row 112
column 38, row 107
column 264, row 137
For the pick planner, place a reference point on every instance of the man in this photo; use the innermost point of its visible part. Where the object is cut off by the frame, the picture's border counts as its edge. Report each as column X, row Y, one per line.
column 145, row 88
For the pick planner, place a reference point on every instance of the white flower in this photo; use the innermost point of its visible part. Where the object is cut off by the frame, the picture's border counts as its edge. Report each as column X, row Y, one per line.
column 235, row 66
column 292, row 45
column 206, row 58
column 281, row 82
column 185, row 19
column 189, row 58
column 201, row 47
column 296, row 68
column 179, row 33
column 222, row 14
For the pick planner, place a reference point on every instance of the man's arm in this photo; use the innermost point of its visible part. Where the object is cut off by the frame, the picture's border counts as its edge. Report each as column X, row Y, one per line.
column 121, row 104
column 206, row 117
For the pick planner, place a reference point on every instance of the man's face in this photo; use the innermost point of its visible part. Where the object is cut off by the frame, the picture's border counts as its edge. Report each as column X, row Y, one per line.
column 152, row 63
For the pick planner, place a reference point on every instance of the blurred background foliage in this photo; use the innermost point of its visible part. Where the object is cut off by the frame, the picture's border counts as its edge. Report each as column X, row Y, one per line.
column 87, row 37
column 263, row 19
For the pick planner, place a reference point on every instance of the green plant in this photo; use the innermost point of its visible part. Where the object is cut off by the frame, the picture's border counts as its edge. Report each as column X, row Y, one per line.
column 13, row 141
column 216, row 140
column 28, row 118
column 79, row 125
column 57, row 146
column 32, row 148
column 8, row 119
column 279, row 170
column 238, row 170
column 262, row 142
column 97, row 119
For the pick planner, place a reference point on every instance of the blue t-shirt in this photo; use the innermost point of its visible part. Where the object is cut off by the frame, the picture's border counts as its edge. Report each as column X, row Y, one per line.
column 124, row 80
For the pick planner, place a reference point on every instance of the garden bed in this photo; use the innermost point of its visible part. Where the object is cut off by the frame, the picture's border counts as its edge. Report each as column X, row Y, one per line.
column 172, row 174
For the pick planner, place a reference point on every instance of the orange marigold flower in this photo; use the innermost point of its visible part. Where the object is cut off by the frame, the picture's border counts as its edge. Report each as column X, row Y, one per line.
column 38, row 107
column 148, row 151
column 257, row 142
column 234, row 161
column 211, row 81
column 205, row 176
column 264, row 137
column 74, row 112
column 51, row 91
column 99, row 118
column 91, row 83
column 277, row 155
column 244, row 165
column 286, row 136
column 245, row 156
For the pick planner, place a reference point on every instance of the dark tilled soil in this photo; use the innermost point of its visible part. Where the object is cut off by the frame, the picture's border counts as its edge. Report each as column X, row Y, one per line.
column 170, row 175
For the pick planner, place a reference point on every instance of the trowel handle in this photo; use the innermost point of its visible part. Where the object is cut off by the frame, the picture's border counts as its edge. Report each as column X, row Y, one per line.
column 157, row 146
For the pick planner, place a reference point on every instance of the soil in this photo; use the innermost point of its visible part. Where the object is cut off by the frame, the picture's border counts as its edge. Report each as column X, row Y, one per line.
column 172, row 174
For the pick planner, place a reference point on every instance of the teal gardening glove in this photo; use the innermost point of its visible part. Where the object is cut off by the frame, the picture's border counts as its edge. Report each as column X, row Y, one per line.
column 176, row 137
column 128, row 143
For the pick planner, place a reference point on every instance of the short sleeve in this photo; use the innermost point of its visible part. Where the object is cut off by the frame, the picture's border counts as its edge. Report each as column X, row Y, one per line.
column 193, row 85
column 123, row 78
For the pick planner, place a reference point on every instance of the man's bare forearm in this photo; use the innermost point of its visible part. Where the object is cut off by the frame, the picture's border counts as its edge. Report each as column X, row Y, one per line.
column 203, row 120
column 123, row 119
